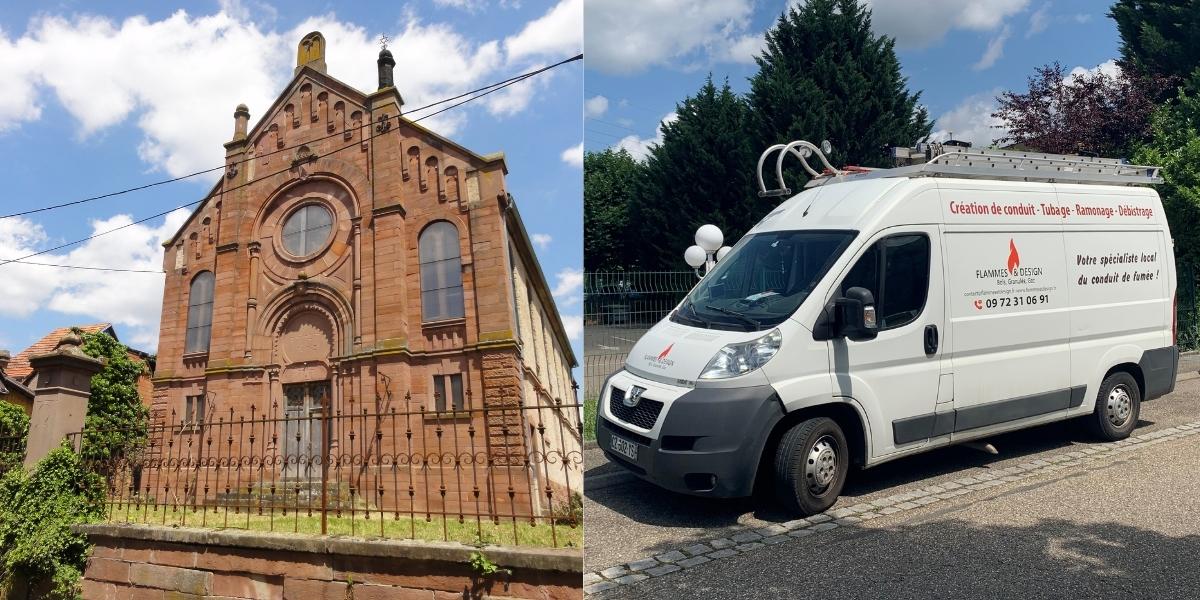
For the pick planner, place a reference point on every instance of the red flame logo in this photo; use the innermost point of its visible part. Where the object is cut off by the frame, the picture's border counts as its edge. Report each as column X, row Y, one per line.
column 1014, row 259
column 666, row 352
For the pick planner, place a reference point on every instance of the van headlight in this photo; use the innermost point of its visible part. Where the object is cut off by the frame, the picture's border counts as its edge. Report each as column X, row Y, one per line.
column 739, row 359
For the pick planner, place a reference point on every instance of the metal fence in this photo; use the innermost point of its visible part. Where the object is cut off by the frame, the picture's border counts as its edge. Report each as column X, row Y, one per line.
column 505, row 474
column 619, row 306
column 12, row 452
column 1187, row 309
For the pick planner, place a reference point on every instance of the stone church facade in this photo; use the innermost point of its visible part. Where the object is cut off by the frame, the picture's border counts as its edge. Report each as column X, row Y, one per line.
column 350, row 262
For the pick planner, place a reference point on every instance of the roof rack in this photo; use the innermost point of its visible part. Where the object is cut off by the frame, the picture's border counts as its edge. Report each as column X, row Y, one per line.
column 945, row 160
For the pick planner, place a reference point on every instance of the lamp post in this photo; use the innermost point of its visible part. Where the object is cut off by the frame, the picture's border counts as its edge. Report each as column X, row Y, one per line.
column 707, row 251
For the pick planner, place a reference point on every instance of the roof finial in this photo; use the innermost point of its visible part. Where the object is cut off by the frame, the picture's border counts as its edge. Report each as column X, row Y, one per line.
column 386, row 63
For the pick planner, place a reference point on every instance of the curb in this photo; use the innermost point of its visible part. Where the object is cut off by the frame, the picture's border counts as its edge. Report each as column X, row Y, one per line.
column 748, row 540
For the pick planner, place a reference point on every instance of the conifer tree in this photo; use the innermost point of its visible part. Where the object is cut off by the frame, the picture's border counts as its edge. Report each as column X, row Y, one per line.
column 825, row 76
column 702, row 172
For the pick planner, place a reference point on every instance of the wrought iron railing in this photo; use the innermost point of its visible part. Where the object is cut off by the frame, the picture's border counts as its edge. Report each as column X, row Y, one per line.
column 12, row 452
column 505, row 474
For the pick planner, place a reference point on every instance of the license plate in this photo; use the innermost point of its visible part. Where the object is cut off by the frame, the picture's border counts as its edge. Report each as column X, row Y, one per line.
column 623, row 447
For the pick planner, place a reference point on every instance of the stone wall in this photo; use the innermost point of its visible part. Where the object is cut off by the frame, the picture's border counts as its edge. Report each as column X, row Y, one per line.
column 160, row 563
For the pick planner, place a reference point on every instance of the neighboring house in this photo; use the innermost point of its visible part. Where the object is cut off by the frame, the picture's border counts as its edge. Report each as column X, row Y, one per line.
column 21, row 371
column 11, row 390
column 330, row 272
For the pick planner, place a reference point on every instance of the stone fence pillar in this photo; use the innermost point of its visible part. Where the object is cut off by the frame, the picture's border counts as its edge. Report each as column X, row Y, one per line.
column 60, row 396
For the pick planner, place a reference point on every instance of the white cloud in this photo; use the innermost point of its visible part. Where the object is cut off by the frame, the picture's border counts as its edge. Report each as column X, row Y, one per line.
column 595, row 106
column 995, row 49
column 574, row 155
column 541, row 240
column 471, row 6
column 629, row 36
column 574, row 326
column 130, row 300
column 1039, row 20
column 971, row 120
column 568, row 287
column 743, row 49
column 179, row 78
column 639, row 147
column 557, row 34
column 923, row 23
column 1108, row 67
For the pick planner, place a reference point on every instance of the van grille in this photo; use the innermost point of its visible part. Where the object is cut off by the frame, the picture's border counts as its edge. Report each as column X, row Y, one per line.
column 643, row 415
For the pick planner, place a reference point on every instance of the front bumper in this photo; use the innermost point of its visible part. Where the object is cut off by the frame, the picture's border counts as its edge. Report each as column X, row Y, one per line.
column 708, row 441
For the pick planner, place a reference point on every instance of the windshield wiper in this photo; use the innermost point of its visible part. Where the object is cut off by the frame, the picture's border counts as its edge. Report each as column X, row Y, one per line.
column 734, row 313
column 696, row 316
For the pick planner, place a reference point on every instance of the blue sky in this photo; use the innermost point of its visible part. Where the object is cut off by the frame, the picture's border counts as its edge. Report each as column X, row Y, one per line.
column 105, row 97
column 959, row 53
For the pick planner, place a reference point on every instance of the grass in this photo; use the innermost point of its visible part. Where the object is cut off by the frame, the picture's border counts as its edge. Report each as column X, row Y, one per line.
column 589, row 419
column 364, row 524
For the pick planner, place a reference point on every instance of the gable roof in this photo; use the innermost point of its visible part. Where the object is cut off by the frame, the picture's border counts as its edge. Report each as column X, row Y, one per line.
column 307, row 72
column 8, row 384
column 19, row 367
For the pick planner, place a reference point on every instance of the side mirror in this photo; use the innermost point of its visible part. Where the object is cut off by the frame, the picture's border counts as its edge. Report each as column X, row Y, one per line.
column 856, row 319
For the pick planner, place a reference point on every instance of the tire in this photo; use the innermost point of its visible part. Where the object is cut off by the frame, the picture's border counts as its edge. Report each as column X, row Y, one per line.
column 1118, row 404
column 811, row 463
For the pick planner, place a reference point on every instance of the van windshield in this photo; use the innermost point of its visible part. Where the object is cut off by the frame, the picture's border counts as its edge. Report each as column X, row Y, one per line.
column 763, row 280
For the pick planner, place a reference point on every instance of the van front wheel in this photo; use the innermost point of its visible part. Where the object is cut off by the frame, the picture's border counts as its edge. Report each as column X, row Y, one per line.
column 810, row 466
column 1117, row 407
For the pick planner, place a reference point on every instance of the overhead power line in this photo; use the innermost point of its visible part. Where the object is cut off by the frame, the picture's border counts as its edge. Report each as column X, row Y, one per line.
column 482, row 91
column 83, row 268
column 487, row 90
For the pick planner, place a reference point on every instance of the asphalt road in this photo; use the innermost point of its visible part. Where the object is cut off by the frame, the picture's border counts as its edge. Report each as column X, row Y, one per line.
column 1121, row 530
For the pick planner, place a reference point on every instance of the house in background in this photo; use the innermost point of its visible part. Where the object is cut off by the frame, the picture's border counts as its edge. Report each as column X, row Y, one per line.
column 22, row 373
column 11, row 390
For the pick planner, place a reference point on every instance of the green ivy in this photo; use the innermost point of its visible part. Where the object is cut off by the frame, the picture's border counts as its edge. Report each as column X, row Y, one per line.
column 37, row 510
column 14, row 430
column 117, row 422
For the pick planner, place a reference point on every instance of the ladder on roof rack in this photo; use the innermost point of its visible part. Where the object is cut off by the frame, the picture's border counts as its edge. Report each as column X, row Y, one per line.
column 938, row 160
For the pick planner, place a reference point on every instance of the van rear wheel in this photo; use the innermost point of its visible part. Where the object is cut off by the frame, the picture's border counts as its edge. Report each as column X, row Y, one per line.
column 1118, row 405
column 811, row 462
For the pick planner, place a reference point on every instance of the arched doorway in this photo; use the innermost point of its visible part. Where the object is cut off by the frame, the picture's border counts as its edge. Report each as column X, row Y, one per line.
column 304, row 342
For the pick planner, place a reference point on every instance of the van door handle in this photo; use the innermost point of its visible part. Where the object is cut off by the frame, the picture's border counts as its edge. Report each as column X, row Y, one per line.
column 931, row 340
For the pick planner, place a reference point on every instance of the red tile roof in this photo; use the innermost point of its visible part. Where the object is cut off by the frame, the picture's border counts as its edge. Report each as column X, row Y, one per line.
column 19, row 367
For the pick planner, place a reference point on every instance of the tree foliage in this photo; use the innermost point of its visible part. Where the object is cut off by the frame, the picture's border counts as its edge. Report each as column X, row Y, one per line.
column 1158, row 39
column 1175, row 146
column 117, row 421
column 37, row 510
column 609, row 180
column 825, row 76
column 1083, row 113
column 702, row 172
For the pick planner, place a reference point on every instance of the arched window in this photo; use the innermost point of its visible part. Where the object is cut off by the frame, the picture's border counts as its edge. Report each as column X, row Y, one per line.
column 200, row 305
column 441, row 273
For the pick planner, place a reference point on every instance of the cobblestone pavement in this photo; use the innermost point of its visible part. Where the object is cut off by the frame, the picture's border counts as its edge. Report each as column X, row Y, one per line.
column 673, row 544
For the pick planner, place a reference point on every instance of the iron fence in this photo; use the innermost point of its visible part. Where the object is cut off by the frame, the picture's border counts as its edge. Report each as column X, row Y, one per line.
column 504, row 474
column 12, row 452
column 619, row 306
column 1187, row 310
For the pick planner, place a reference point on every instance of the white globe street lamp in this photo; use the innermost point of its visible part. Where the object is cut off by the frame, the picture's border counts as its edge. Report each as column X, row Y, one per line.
column 707, row 251
column 710, row 238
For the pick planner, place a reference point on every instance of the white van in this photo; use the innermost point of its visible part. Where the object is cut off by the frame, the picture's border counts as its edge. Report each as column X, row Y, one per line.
column 883, row 313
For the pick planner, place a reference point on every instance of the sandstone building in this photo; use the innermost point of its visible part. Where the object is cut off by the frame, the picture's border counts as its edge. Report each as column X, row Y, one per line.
column 350, row 262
